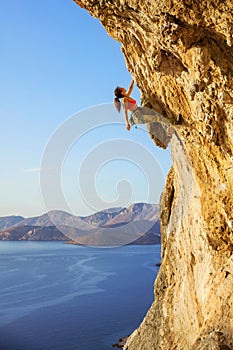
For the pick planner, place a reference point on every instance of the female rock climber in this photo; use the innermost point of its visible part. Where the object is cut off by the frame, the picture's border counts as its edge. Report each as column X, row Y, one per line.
column 139, row 115
column 128, row 102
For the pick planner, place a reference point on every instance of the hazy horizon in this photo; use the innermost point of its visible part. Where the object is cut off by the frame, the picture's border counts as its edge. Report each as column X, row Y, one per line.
column 60, row 210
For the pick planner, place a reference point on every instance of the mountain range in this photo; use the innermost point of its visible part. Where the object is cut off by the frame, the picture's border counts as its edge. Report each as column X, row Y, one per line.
column 137, row 224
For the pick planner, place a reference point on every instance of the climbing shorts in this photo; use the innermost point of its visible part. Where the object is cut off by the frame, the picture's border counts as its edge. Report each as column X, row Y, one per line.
column 144, row 115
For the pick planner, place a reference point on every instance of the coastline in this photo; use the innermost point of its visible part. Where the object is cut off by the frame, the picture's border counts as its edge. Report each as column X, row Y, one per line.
column 121, row 342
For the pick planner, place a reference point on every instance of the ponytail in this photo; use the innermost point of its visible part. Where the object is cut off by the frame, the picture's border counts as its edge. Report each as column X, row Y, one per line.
column 118, row 94
column 117, row 104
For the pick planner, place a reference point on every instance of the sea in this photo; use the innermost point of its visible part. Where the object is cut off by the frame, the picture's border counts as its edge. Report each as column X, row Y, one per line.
column 57, row 296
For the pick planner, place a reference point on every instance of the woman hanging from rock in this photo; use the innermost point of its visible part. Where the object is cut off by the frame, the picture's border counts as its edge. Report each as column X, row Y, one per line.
column 139, row 115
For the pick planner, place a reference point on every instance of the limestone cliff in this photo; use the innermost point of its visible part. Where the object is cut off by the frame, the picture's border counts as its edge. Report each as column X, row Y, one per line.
column 180, row 55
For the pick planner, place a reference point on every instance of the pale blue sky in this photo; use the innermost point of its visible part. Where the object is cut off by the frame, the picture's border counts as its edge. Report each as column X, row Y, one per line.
column 56, row 60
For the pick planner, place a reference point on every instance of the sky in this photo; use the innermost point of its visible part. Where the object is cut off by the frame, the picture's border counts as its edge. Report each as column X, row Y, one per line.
column 60, row 133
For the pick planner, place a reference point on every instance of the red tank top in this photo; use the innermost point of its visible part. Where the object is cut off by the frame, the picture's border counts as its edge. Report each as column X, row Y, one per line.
column 131, row 103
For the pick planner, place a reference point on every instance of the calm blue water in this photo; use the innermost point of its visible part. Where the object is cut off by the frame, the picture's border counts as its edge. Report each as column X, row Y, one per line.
column 63, row 297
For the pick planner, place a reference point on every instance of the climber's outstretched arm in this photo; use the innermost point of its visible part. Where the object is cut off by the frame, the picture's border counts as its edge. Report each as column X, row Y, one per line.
column 130, row 89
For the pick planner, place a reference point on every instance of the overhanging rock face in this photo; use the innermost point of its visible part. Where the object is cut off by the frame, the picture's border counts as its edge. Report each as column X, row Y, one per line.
column 180, row 54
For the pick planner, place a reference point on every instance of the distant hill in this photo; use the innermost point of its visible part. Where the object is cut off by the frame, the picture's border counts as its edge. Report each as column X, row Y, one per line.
column 8, row 221
column 136, row 212
column 32, row 233
column 150, row 237
column 95, row 229
column 58, row 217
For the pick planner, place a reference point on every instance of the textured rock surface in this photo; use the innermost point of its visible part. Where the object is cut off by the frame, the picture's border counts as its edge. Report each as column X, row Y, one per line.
column 180, row 55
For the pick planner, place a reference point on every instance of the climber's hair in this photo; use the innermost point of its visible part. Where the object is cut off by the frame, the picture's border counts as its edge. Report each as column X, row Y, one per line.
column 118, row 94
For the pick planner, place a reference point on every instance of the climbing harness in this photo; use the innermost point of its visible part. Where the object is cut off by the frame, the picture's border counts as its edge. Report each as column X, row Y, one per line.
column 136, row 114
